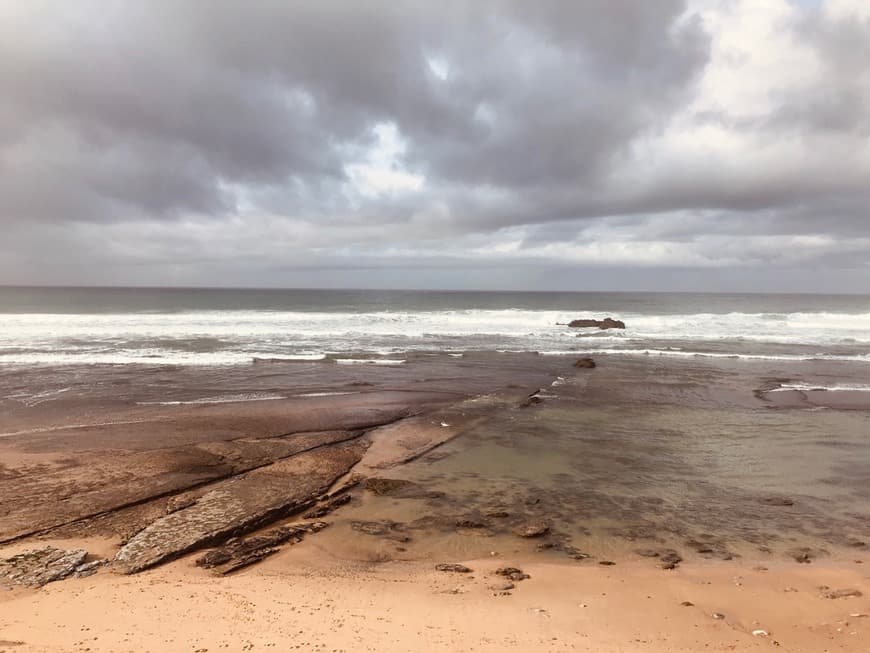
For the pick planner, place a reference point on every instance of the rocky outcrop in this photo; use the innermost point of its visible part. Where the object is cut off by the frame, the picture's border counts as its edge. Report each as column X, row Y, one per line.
column 41, row 566
column 240, row 505
column 242, row 552
column 606, row 323
column 585, row 363
column 535, row 528
column 512, row 573
column 453, row 567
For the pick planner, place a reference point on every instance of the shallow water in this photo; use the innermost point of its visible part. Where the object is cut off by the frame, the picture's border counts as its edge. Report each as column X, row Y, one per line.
column 640, row 471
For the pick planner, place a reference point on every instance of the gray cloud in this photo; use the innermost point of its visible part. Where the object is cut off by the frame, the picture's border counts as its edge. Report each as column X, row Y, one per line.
column 182, row 142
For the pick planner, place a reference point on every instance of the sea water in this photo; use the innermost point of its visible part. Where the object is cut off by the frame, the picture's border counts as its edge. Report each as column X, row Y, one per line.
column 234, row 326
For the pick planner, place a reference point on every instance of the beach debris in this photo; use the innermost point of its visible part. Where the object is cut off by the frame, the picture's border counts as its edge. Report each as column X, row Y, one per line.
column 512, row 573
column 571, row 551
column 453, row 567
column 535, row 528
column 243, row 552
column 842, row 593
column 670, row 559
column 606, row 323
column 606, row 563
column 718, row 616
column 37, row 567
column 471, row 523
column 858, row 615
column 709, row 546
column 805, row 554
column 687, row 604
column 585, row 363
column 327, row 508
column 759, row 632
column 502, row 588
column 445, row 424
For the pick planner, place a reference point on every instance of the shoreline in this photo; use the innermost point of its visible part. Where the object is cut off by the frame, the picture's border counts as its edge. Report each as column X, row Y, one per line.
column 462, row 455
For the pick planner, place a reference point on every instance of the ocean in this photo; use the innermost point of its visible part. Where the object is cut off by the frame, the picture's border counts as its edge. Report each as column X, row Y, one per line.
column 234, row 326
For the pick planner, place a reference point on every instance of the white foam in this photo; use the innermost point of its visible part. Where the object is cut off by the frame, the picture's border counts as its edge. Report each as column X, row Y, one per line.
column 806, row 387
column 702, row 354
column 236, row 337
column 368, row 361
column 221, row 399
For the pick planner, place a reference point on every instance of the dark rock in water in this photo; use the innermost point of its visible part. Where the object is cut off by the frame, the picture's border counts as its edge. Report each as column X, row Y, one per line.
column 453, row 567
column 41, row 566
column 531, row 400
column 532, row 529
column 399, row 488
column 512, row 573
column 777, row 501
column 586, row 362
column 842, row 594
column 388, row 529
column 606, row 323
column 242, row 552
column 383, row 486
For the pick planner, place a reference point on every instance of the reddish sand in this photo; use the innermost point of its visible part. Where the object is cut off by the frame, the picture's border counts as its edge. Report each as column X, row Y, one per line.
column 298, row 600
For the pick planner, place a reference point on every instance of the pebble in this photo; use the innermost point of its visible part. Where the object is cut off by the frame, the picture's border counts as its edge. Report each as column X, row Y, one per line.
column 718, row 615
column 760, row 633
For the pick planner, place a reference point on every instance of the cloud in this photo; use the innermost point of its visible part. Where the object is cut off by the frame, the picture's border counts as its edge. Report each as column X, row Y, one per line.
column 251, row 143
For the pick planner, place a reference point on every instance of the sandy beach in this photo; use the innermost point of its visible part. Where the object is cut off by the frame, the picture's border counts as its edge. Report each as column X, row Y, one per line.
column 635, row 497
column 300, row 600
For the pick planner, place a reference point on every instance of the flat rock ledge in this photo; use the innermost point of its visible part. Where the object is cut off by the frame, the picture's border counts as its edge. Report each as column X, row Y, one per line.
column 37, row 567
column 240, row 505
column 239, row 553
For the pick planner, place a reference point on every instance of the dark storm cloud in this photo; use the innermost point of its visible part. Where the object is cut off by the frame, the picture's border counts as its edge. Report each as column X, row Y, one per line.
column 266, row 135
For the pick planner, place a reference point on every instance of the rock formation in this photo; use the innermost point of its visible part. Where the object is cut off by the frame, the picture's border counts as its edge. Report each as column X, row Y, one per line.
column 606, row 323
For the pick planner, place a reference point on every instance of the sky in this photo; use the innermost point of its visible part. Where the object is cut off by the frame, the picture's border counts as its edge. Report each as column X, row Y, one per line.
column 702, row 145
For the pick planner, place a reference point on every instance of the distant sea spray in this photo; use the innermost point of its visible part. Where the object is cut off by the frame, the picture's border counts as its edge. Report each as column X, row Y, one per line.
column 43, row 326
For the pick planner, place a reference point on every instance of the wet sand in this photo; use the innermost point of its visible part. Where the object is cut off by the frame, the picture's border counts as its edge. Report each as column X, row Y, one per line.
column 709, row 459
